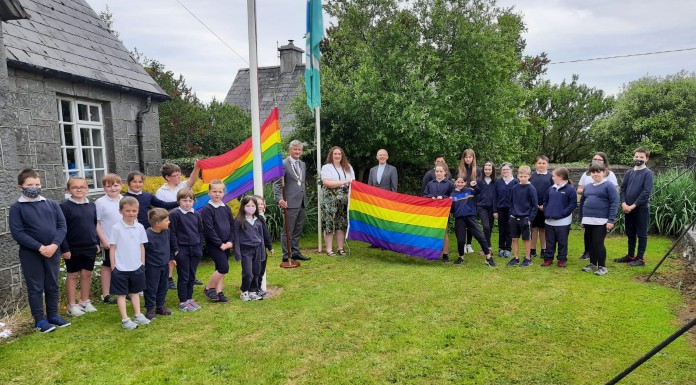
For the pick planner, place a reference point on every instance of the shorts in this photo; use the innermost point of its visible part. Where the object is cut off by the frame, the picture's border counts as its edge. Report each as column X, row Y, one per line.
column 519, row 228
column 221, row 259
column 106, row 260
column 81, row 259
column 127, row 282
column 539, row 220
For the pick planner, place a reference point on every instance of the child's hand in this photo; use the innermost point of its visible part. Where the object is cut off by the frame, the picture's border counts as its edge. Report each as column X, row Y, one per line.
column 98, row 249
column 272, row 251
column 439, row 197
column 66, row 255
column 495, row 215
column 48, row 251
column 472, row 183
column 105, row 246
column 541, row 207
column 172, row 264
column 610, row 226
column 626, row 208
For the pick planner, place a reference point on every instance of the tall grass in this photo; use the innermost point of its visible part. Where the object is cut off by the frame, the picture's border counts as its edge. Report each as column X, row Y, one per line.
column 673, row 206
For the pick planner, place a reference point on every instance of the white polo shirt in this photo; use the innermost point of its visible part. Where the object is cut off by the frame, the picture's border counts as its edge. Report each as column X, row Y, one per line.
column 128, row 239
column 108, row 213
column 169, row 194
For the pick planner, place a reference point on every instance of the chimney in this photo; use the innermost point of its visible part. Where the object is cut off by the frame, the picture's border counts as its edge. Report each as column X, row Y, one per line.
column 290, row 56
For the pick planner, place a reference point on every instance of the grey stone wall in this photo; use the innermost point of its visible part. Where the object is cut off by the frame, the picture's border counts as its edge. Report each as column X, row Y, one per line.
column 29, row 137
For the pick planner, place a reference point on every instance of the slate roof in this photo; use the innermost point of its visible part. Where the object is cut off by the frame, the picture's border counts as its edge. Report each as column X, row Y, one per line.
column 66, row 38
column 274, row 87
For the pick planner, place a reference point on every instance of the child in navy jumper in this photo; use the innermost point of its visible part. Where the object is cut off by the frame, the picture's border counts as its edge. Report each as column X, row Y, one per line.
column 485, row 198
column 541, row 180
column 108, row 215
column 146, row 200
column 470, row 172
column 599, row 204
column 250, row 236
column 440, row 188
column 464, row 210
column 559, row 202
column 501, row 208
column 218, row 229
column 523, row 209
column 38, row 226
column 157, row 261
column 80, row 246
column 262, row 215
column 187, row 245
column 636, row 188
column 127, row 253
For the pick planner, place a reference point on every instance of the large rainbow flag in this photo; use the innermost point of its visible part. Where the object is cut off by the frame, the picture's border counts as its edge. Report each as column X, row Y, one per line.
column 398, row 222
column 235, row 167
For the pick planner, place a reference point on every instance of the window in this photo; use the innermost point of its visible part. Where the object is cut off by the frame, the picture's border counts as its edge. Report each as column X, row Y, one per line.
column 82, row 140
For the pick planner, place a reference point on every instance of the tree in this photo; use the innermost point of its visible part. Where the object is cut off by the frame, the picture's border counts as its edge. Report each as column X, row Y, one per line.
column 561, row 116
column 421, row 77
column 655, row 112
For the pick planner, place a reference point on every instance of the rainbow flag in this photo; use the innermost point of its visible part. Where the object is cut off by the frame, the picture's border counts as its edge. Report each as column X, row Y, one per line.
column 235, row 167
column 398, row 222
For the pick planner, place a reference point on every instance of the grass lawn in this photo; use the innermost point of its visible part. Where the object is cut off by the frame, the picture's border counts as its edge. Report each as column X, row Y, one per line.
column 380, row 317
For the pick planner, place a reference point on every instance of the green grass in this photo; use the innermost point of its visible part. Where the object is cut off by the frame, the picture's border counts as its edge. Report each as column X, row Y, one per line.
column 379, row 317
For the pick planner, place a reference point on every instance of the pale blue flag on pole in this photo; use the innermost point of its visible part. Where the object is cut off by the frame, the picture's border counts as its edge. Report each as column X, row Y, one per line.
column 315, row 34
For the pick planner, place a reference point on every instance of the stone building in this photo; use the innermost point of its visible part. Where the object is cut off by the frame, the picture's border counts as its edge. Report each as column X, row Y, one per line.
column 278, row 85
column 72, row 102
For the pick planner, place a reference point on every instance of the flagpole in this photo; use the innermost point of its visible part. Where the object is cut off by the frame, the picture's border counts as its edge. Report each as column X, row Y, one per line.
column 254, row 99
column 318, row 129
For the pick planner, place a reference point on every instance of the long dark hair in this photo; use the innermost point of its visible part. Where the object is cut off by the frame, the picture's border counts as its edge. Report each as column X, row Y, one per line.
column 241, row 217
column 483, row 172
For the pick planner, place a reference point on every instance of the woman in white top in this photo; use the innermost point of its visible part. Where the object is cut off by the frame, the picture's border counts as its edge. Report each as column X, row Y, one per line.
column 586, row 178
column 336, row 176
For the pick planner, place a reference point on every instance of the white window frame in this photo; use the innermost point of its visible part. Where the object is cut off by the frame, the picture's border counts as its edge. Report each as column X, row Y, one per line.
column 93, row 144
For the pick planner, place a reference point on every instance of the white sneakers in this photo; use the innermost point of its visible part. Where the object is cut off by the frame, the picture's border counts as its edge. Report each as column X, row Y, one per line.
column 75, row 310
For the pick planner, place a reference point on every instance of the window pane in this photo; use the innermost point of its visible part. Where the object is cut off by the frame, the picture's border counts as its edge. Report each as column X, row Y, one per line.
column 71, row 161
column 98, row 158
column 94, row 113
column 96, row 138
column 87, row 159
column 65, row 108
column 68, row 133
column 82, row 112
column 85, row 137
column 98, row 175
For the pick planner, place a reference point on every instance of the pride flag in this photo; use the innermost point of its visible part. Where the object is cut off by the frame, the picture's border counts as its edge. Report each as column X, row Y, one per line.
column 235, row 167
column 398, row 222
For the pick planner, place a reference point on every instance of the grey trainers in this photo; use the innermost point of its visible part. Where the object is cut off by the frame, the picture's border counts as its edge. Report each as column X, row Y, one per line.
column 590, row 268
column 601, row 271
column 186, row 306
column 141, row 319
column 128, row 324
column 193, row 304
column 508, row 254
column 245, row 296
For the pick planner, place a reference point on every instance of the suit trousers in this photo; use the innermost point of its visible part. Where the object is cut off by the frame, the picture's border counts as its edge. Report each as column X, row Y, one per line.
column 295, row 224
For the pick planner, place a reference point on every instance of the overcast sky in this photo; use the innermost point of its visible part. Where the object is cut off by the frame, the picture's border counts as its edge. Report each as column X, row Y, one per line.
column 565, row 29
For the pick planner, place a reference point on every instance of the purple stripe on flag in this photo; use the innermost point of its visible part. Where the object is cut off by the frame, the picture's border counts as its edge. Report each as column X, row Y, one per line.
column 399, row 248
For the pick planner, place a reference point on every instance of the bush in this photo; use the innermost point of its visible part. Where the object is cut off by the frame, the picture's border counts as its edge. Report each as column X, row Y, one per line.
column 673, row 205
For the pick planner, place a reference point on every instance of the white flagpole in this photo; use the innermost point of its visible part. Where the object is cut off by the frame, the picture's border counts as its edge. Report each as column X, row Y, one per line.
column 254, row 95
column 318, row 128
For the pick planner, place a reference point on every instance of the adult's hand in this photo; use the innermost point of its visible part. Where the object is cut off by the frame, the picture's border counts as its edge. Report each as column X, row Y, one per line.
column 282, row 203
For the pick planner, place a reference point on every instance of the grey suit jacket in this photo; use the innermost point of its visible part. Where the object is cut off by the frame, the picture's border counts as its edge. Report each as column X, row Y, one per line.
column 389, row 181
column 296, row 194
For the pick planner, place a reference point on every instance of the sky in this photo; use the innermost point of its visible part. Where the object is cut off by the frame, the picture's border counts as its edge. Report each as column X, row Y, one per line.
column 565, row 29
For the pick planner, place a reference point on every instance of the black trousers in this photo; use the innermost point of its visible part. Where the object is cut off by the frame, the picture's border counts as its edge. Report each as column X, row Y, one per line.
column 469, row 225
column 251, row 268
column 504, row 240
column 41, row 277
column 486, row 216
column 637, row 222
column 594, row 239
column 556, row 235
column 186, row 265
column 156, row 285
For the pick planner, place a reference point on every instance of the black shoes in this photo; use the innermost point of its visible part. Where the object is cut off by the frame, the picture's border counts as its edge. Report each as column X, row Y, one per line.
column 300, row 257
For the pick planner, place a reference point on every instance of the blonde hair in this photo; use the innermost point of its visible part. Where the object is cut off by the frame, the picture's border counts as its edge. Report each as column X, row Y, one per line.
column 216, row 182
column 524, row 170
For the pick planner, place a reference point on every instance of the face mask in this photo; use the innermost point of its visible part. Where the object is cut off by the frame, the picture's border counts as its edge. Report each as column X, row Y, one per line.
column 249, row 210
column 31, row 192
column 638, row 162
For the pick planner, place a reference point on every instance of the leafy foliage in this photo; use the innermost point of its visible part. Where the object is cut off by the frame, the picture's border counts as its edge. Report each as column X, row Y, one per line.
column 674, row 204
column 658, row 113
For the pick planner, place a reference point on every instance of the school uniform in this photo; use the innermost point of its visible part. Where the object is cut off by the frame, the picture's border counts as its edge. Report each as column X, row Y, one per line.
column 248, row 249
column 218, row 228
column 541, row 183
column 501, row 205
column 34, row 224
column 464, row 210
column 484, row 206
column 108, row 214
column 81, row 239
column 157, row 255
column 186, row 238
column 523, row 209
column 128, row 276
column 559, row 204
column 599, row 204
column 636, row 188
column 146, row 201
column 436, row 188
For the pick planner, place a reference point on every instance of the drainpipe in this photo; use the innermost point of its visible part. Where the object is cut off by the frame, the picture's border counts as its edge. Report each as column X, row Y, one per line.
column 139, row 125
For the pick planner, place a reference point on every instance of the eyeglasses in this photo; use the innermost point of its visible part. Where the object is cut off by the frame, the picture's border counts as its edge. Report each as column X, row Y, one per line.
column 79, row 188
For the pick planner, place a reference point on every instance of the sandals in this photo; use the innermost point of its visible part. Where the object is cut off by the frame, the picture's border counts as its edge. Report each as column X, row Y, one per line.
column 330, row 253
column 341, row 252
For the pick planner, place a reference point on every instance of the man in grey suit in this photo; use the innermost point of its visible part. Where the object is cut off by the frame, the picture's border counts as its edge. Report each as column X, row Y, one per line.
column 295, row 192
column 383, row 175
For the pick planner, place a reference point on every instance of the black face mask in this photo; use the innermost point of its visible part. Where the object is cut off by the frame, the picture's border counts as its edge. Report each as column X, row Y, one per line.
column 638, row 162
